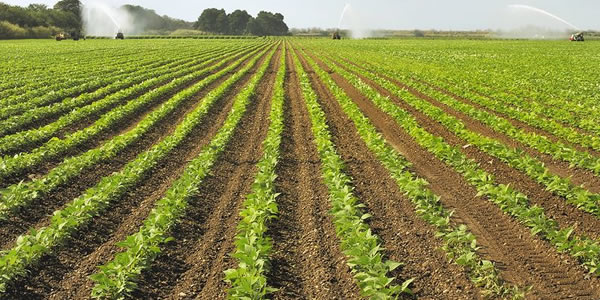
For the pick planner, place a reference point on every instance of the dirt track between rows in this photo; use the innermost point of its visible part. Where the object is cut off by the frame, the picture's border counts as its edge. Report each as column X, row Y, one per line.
column 523, row 259
column 63, row 274
column 34, row 215
column 307, row 262
column 405, row 236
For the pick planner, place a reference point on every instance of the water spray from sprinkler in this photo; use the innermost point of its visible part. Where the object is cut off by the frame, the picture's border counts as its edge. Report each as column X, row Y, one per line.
column 541, row 11
column 346, row 8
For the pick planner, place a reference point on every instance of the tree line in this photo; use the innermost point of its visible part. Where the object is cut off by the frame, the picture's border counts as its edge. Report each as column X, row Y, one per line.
column 239, row 22
column 40, row 21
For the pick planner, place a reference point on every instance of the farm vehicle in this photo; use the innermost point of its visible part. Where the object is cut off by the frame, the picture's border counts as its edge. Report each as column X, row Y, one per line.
column 577, row 37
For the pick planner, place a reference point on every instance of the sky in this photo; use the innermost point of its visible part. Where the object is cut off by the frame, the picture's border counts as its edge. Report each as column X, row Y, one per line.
column 387, row 14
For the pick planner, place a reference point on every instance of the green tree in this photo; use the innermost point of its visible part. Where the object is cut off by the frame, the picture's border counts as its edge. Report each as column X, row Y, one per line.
column 271, row 24
column 238, row 22
column 253, row 27
column 73, row 7
column 213, row 20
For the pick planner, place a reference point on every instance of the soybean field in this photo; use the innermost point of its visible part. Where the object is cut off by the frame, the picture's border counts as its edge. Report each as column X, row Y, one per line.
column 299, row 168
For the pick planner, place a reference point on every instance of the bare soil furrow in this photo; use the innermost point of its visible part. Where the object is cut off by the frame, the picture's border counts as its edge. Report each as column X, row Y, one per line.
column 35, row 215
column 405, row 236
column 306, row 261
column 194, row 264
column 523, row 260
column 515, row 122
column 555, row 206
column 63, row 274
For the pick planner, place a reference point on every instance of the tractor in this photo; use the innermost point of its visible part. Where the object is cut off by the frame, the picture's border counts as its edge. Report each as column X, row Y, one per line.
column 120, row 36
column 577, row 37
column 336, row 36
column 60, row 36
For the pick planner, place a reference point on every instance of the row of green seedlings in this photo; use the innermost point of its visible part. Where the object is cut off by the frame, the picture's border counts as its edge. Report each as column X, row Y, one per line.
column 516, row 158
column 23, row 60
column 58, row 97
column 94, row 201
column 28, row 57
column 556, row 111
column 528, row 112
column 123, row 84
column 360, row 246
column 557, row 150
column 510, row 201
column 525, row 113
column 460, row 244
column 17, row 87
column 252, row 245
column 10, row 165
column 117, row 278
column 23, row 139
column 582, row 114
column 46, row 83
column 37, row 80
column 20, row 195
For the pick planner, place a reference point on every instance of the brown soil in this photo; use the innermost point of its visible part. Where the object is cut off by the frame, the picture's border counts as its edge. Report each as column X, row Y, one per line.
column 49, row 118
column 37, row 211
column 63, row 274
column 515, row 122
column 194, row 264
column 580, row 130
column 307, row 262
column 405, row 236
column 579, row 176
column 555, row 206
column 117, row 129
column 522, row 259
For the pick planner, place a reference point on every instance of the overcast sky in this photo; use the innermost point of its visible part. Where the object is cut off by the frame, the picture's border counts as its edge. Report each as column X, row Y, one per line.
column 388, row 14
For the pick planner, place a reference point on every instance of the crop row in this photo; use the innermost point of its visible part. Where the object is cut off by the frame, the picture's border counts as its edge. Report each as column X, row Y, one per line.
column 17, row 82
column 584, row 114
column 123, row 83
column 49, row 95
column 525, row 112
column 55, row 147
column 117, row 278
column 253, row 246
column 31, row 247
column 19, row 195
column 23, row 139
column 29, row 62
column 460, row 244
column 358, row 243
column 541, row 143
column 556, row 149
column 49, row 89
column 516, row 158
column 528, row 91
column 509, row 200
